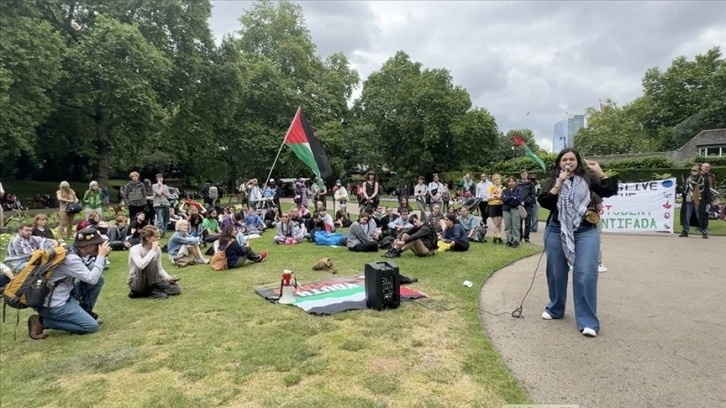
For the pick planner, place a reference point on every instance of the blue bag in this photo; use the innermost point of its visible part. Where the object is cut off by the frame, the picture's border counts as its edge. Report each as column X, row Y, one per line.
column 328, row 238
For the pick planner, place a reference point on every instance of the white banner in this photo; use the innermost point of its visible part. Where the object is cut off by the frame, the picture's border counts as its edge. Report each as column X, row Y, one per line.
column 647, row 206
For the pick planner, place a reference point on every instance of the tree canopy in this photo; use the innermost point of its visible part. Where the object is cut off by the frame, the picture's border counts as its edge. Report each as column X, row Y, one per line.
column 95, row 89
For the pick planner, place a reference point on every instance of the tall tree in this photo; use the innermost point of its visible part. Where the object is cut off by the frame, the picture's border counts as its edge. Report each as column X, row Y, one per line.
column 421, row 118
column 684, row 99
column 613, row 130
column 30, row 66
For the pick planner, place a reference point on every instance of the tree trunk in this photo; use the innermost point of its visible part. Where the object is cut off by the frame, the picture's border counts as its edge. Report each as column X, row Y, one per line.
column 103, row 143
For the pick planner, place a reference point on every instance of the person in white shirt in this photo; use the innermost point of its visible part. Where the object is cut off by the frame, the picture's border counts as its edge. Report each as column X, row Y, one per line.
column 341, row 194
column 419, row 194
column 147, row 276
column 435, row 192
column 482, row 194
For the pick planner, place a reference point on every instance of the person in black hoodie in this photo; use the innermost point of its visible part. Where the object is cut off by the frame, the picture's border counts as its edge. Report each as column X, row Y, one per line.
column 421, row 240
column 237, row 254
column 530, row 202
column 454, row 234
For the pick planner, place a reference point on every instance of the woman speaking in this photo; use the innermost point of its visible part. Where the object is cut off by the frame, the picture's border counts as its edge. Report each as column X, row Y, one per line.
column 572, row 241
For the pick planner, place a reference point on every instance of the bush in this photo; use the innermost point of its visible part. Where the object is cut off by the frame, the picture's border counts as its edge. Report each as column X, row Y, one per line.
column 654, row 162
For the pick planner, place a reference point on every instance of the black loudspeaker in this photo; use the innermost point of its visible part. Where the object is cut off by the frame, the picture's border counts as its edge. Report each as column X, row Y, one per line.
column 383, row 285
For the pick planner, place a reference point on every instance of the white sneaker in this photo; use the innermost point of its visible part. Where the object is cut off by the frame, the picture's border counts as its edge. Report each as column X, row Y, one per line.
column 601, row 268
column 546, row 316
column 588, row 332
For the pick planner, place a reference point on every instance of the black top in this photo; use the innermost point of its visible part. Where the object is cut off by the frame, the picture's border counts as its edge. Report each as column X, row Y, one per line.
column 604, row 188
column 47, row 233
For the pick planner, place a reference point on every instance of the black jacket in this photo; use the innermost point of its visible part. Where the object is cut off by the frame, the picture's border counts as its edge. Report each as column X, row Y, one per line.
column 426, row 234
column 530, row 196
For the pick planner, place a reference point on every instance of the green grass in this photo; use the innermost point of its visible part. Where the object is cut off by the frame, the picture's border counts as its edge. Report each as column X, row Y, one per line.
column 219, row 344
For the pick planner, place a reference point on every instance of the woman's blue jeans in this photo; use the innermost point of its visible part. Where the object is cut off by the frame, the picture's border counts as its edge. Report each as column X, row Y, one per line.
column 584, row 275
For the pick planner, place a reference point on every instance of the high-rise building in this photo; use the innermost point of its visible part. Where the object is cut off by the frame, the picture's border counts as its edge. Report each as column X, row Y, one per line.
column 565, row 130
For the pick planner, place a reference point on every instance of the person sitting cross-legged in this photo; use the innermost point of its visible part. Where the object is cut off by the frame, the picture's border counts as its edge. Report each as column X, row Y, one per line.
column 472, row 225
column 421, row 239
column 454, row 234
column 77, row 282
column 288, row 232
column 359, row 237
column 117, row 234
column 184, row 249
column 147, row 276
column 253, row 222
column 237, row 254
column 342, row 218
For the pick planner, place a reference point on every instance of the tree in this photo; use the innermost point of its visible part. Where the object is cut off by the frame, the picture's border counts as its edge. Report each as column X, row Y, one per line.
column 613, row 130
column 423, row 122
column 30, row 66
column 684, row 99
column 109, row 80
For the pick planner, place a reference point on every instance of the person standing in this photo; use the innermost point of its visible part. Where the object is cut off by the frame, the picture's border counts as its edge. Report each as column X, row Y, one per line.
column 65, row 195
column 134, row 195
column 530, row 198
column 571, row 240
column 92, row 200
column 419, row 194
column 696, row 196
column 161, row 204
column 512, row 197
column 482, row 194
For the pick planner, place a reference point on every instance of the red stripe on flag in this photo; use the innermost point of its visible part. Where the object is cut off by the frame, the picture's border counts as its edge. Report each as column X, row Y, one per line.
column 296, row 133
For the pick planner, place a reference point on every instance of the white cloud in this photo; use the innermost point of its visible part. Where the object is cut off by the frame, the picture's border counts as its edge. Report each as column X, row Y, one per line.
column 546, row 58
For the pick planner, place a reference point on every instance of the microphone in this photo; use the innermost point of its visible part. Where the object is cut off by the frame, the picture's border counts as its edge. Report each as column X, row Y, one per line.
column 567, row 168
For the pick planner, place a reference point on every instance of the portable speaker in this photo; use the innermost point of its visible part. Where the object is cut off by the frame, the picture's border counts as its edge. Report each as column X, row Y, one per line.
column 383, row 285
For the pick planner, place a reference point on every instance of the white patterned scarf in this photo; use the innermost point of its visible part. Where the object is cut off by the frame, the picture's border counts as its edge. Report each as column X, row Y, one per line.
column 572, row 204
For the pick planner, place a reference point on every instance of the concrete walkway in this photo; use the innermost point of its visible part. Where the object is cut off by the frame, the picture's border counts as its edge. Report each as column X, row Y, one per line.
column 662, row 307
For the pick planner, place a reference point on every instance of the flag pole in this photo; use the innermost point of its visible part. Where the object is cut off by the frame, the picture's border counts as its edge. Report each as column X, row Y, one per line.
column 280, row 149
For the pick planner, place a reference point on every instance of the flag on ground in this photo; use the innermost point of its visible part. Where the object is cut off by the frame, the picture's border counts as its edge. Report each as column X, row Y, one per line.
column 519, row 142
column 302, row 141
column 332, row 295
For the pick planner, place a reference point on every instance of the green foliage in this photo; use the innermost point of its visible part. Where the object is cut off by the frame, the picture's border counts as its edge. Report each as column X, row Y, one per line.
column 424, row 123
column 645, row 174
column 654, row 162
column 677, row 103
column 30, row 66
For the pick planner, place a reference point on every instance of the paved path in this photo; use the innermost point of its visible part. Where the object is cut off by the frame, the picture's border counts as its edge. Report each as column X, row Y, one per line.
column 662, row 307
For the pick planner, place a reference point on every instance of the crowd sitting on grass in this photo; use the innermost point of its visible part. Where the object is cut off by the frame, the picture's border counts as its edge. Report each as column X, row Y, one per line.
column 200, row 230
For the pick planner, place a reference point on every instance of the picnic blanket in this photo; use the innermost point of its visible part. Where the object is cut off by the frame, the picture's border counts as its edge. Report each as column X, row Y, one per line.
column 332, row 295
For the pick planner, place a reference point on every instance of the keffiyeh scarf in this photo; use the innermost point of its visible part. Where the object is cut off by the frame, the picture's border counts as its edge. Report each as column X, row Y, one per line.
column 572, row 204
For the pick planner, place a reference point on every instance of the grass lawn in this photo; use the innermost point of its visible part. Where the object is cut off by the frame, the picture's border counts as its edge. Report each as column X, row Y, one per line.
column 219, row 344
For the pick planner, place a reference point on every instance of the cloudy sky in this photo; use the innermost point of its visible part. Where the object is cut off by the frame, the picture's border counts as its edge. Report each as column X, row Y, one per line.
column 546, row 58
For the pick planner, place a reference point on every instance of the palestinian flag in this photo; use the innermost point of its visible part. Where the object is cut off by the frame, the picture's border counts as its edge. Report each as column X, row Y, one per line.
column 302, row 141
column 332, row 295
column 519, row 142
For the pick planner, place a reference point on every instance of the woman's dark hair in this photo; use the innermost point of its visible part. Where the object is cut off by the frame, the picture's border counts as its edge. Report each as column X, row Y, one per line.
column 511, row 178
column 451, row 217
column 195, row 219
column 555, row 171
column 404, row 198
column 226, row 235
column 370, row 173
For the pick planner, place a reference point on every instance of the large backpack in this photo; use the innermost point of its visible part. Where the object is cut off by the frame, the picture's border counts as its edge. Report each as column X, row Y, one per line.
column 30, row 287
column 213, row 192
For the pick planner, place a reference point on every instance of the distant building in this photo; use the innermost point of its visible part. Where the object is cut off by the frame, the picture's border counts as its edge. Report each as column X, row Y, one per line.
column 564, row 132
column 707, row 143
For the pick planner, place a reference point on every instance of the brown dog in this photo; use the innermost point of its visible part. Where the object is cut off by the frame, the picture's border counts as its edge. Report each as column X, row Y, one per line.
column 324, row 264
